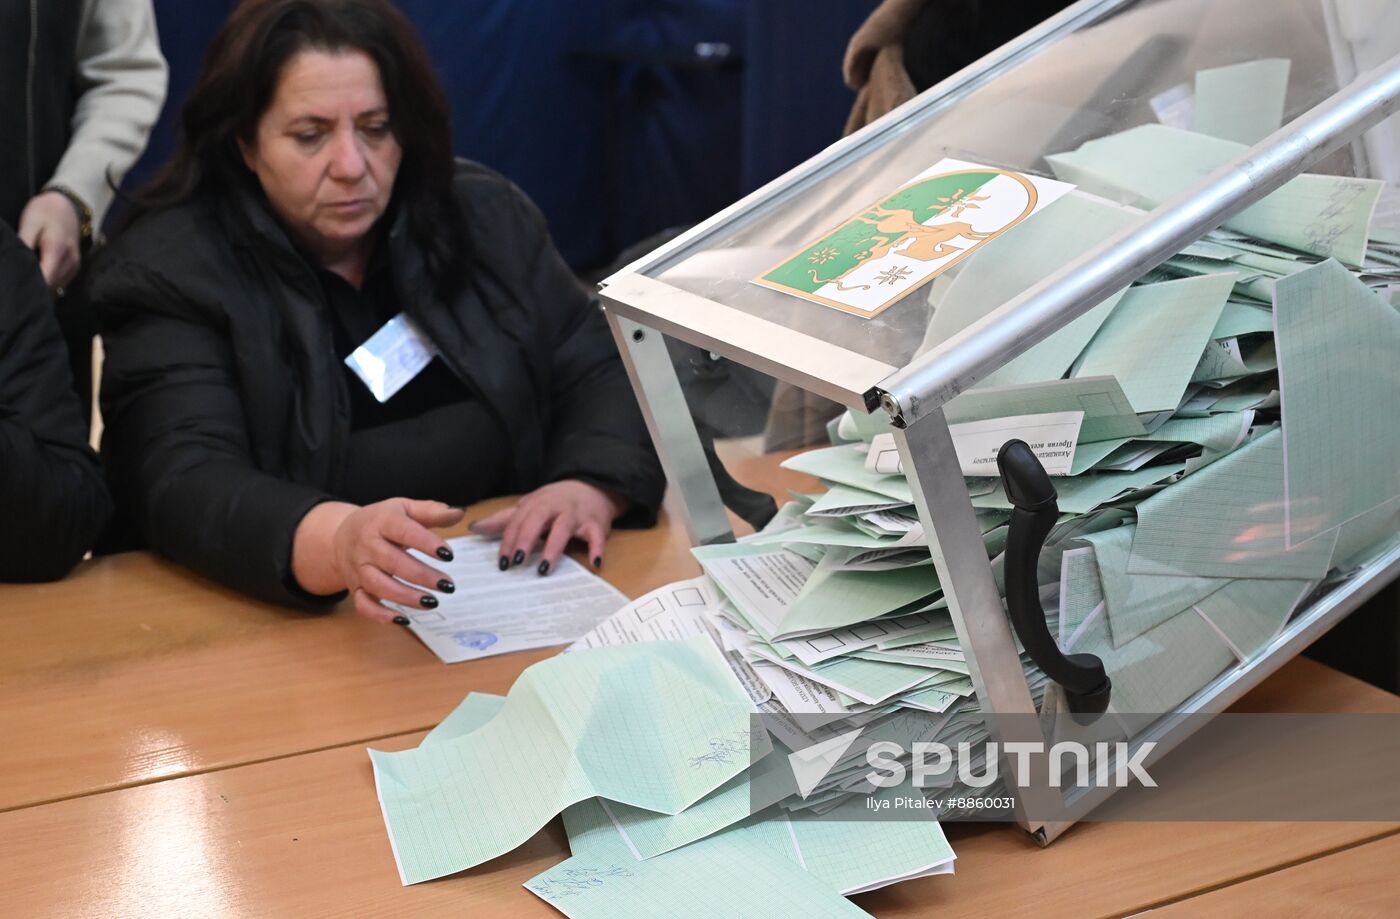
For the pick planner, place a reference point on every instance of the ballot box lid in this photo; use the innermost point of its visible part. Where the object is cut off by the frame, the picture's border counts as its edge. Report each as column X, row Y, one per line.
column 830, row 277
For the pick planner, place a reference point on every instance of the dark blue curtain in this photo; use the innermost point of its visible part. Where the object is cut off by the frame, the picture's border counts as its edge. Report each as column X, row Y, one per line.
column 796, row 102
column 185, row 31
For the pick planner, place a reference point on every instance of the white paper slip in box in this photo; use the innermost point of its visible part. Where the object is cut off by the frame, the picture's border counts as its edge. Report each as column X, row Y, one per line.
column 1053, row 437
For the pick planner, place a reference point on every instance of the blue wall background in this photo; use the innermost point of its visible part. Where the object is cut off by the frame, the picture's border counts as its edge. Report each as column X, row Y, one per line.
column 620, row 118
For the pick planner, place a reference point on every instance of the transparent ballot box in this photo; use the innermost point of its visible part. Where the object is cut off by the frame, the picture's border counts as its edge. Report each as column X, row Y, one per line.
column 1091, row 353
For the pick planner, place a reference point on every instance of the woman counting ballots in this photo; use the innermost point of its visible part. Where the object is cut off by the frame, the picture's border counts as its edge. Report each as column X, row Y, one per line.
column 313, row 213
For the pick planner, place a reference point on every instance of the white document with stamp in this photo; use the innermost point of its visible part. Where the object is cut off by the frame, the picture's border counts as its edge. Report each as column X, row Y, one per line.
column 495, row 612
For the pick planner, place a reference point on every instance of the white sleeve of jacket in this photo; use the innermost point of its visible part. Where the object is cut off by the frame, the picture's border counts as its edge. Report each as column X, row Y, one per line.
column 122, row 78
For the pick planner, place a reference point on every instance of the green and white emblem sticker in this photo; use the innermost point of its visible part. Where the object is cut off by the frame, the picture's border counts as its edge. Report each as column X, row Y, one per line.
column 884, row 252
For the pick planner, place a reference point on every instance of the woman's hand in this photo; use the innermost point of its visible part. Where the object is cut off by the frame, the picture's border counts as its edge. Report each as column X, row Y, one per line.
column 554, row 513
column 364, row 549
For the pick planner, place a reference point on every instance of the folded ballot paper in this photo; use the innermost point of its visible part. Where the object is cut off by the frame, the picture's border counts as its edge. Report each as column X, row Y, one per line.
column 641, row 837
column 655, row 725
column 769, row 862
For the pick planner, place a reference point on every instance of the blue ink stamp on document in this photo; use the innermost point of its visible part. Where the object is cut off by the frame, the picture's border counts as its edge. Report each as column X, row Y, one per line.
column 723, row 750
column 477, row 641
column 577, row 880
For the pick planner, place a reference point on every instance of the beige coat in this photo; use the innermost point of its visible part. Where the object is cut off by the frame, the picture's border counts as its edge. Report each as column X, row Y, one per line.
column 121, row 78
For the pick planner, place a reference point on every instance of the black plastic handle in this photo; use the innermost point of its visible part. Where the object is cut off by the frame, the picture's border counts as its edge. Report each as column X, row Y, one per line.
column 1032, row 495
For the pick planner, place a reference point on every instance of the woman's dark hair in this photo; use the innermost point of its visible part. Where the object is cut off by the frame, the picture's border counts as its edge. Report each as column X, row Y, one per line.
column 241, row 72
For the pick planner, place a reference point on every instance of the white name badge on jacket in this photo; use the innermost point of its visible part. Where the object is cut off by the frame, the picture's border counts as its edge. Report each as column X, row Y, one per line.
column 391, row 357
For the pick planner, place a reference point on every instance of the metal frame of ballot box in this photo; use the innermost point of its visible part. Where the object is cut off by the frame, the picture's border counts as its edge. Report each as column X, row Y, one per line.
column 642, row 309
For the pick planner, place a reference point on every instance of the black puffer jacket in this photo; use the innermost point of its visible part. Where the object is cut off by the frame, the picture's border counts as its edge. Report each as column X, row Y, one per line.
column 227, row 409
column 52, row 497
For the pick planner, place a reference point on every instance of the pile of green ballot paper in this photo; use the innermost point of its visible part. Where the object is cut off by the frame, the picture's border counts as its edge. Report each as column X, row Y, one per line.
column 647, row 749
column 1230, row 452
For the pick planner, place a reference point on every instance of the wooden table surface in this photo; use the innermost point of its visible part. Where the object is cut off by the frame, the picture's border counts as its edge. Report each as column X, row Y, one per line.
column 1359, row 881
column 133, row 669
column 172, row 748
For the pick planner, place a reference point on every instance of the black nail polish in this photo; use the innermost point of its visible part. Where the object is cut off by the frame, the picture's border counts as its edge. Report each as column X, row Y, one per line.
column 597, row 561
column 446, row 586
column 427, row 602
column 519, row 557
column 400, row 620
column 504, row 563
column 544, row 568
column 445, row 554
